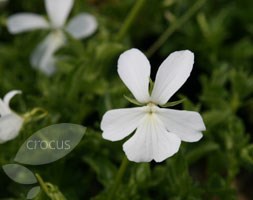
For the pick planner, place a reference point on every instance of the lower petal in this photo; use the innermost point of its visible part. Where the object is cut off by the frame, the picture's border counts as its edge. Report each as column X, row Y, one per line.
column 186, row 124
column 10, row 126
column 151, row 142
column 43, row 56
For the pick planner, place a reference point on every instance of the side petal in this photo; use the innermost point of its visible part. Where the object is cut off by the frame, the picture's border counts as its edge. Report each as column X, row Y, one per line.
column 119, row 123
column 43, row 56
column 171, row 75
column 25, row 22
column 58, row 11
column 134, row 71
column 151, row 141
column 10, row 126
column 82, row 26
column 9, row 96
column 186, row 124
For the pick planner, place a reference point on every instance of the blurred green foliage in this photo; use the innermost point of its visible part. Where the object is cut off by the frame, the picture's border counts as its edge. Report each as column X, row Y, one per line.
column 219, row 32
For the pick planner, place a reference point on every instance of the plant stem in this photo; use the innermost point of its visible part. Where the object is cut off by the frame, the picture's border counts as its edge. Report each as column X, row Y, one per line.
column 51, row 191
column 123, row 31
column 42, row 183
column 130, row 19
column 176, row 25
column 40, row 112
column 119, row 177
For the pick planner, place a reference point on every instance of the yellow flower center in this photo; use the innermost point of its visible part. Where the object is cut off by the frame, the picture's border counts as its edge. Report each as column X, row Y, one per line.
column 151, row 108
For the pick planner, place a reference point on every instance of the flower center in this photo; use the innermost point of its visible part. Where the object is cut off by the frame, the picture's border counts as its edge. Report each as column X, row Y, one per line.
column 57, row 32
column 151, row 108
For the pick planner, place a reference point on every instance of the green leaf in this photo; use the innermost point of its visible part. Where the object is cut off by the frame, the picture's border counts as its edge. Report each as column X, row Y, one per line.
column 151, row 86
column 19, row 174
column 103, row 168
column 131, row 100
column 247, row 154
column 33, row 192
column 173, row 103
column 201, row 151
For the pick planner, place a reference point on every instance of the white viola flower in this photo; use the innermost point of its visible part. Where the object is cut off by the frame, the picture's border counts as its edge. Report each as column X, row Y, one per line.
column 159, row 131
column 81, row 26
column 10, row 122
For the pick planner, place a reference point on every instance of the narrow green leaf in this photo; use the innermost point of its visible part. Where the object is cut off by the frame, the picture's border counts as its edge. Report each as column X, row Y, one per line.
column 173, row 103
column 151, row 86
column 19, row 174
column 203, row 150
column 33, row 192
column 131, row 100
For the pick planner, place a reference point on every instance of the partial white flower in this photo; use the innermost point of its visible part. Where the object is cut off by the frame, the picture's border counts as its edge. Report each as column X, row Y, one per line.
column 159, row 131
column 81, row 26
column 10, row 122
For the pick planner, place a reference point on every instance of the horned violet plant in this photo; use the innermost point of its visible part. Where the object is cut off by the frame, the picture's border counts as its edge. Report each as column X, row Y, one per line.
column 159, row 131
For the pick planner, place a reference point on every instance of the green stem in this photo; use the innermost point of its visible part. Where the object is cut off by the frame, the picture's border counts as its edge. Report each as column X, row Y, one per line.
column 2, row 20
column 35, row 114
column 176, row 25
column 42, row 183
column 123, row 31
column 119, row 177
column 51, row 191
column 130, row 19
column 235, row 102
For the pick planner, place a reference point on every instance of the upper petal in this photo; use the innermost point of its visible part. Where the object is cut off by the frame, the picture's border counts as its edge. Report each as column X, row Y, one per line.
column 9, row 96
column 25, row 22
column 186, row 124
column 151, row 141
column 10, row 126
column 82, row 26
column 119, row 123
column 134, row 70
column 58, row 11
column 171, row 75
column 43, row 56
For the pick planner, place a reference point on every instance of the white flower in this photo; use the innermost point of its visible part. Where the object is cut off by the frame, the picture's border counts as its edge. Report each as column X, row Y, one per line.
column 10, row 122
column 159, row 131
column 81, row 26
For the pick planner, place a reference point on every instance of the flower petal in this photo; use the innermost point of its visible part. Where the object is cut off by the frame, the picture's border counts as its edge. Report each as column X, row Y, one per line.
column 4, row 104
column 58, row 11
column 9, row 96
column 119, row 123
column 151, row 141
column 25, row 22
column 134, row 70
column 10, row 126
column 172, row 74
column 186, row 124
column 4, row 110
column 43, row 56
column 82, row 26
